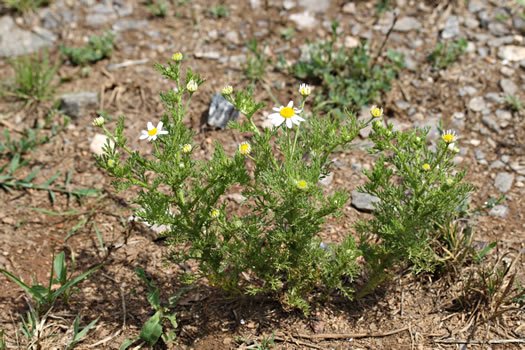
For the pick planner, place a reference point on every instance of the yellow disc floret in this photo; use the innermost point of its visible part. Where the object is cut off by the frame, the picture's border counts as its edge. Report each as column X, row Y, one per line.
column 287, row 112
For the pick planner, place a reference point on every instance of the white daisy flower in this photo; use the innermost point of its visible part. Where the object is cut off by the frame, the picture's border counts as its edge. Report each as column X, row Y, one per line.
column 192, row 85
column 376, row 111
column 187, row 148
column 152, row 132
column 305, row 89
column 449, row 136
column 98, row 121
column 227, row 90
column 288, row 114
column 245, row 148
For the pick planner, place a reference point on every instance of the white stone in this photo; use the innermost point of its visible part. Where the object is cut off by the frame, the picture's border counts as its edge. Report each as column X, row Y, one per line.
column 304, row 20
column 96, row 146
column 512, row 53
column 351, row 42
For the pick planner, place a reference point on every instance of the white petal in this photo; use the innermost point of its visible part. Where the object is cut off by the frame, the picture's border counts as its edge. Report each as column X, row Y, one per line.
column 299, row 118
column 277, row 109
column 274, row 115
column 277, row 120
column 297, row 110
column 154, row 137
column 290, row 104
column 289, row 123
column 150, row 125
column 159, row 126
column 143, row 136
column 162, row 132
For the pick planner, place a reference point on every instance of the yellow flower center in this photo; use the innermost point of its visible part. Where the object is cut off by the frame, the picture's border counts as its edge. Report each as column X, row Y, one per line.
column 426, row 166
column 376, row 112
column 287, row 112
column 301, row 184
column 152, row 132
column 448, row 138
column 245, row 148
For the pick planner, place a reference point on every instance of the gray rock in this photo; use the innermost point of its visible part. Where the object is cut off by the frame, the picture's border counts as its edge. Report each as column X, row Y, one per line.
column 504, row 181
column 508, row 86
column 402, row 104
column 221, row 112
column 232, row 37
column 479, row 154
column 497, row 164
column 210, row 55
column 489, row 121
column 315, row 5
column 504, row 117
column 304, row 20
column 512, row 53
column 482, row 51
column 498, row 28
column 484, row 18
column 15, row 41
column 236, row 197
column 467, row 90
column 476, row 6
column 477, row 104
column 499, row 210
column 130, row 24
column 349, row 8
column 363, row 201
column 495, row 97
column 497, row 42
column 451, row 29
column 123, row 8
column 471, row 22
column 518, row 22
column 406, row 24
column 327, row 180
column 100, row 14
column 78, row 104
column 255, row 4
column 518, row 167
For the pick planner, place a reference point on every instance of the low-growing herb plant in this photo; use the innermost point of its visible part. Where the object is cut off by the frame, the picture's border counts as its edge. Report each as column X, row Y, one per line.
column 22, row 6
column 420, row 192
column 218, row 11
column 45, row 296
column 514, row 103
column 34, row 78
column 347, row 80
column 255, row 66
column 272, row 245
column 158, row 8
column 152, row 330
column 97, row 48
column 445, row 54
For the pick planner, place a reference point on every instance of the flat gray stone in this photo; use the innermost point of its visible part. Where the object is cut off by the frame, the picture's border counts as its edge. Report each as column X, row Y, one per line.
column 508, row 86
column 498, row 29
column 477, row 104
column 476, row 6
column 221, row 112
column 78, row 104
column 304, row 20
column 315, row 5
column 503, row 181
column 499, row 210
column 15, row 41
column 129, row 24
column 512, row 53
column 406, row 24
column 504, row 117
column 491, row 123
column 451, row 29
column 363, row 201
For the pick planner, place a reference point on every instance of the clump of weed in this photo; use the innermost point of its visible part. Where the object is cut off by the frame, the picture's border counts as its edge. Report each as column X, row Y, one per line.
column 348, row 80
column 219, row 11
column 514, row 103
column 255, row 66
column 158, row 8
column 22, row 6
column 419, row 191
column 34, row 78
column 446, row 54
column 96, row 49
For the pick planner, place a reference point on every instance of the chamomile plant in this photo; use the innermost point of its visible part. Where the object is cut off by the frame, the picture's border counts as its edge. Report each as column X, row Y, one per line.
column 268, row 245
